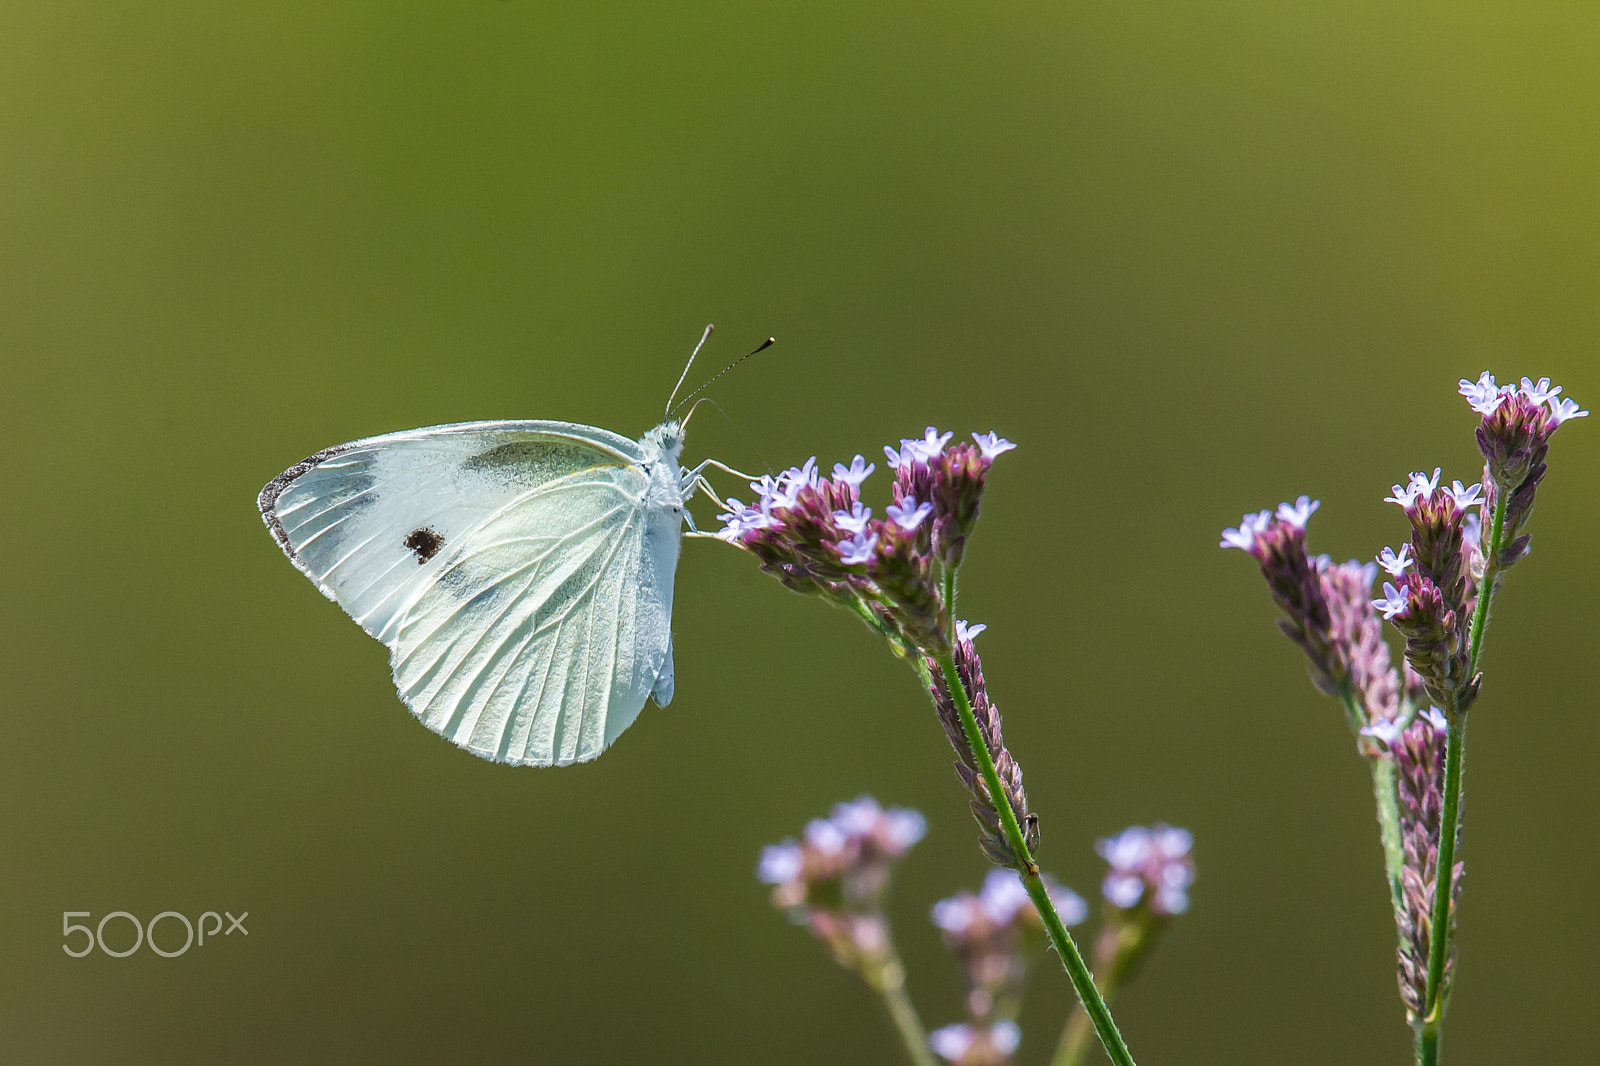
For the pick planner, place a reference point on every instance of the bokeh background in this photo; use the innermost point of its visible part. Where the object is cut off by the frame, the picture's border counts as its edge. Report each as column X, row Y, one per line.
column 1194, row 257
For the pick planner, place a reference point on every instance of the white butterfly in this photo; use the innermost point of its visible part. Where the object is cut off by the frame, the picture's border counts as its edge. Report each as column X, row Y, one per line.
column 520, row 572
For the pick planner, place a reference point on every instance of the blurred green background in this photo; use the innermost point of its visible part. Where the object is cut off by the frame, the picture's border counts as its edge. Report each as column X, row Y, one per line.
column 1194, row 257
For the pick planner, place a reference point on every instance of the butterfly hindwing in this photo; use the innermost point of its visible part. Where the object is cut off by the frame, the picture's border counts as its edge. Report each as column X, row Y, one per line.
column 545, row 632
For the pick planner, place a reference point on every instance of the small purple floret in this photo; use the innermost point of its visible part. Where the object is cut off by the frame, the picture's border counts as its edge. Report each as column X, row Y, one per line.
column 1249, row 527
column 1565, row 408
column 854, row 520
column 952, row 1041
column 1420, row 485
column 903, row 828
column 1387, row 731
column 1466, row 496
column 855, row 473
column 992, row 444
column 1540, row 393
column 1299, row 513
column 859, row 549
column 1483, row 395
column 965, row 632
column 1396, row 563
column 908, row 513
column 780, row 863
column 825, row 836
column 1150, row 867
column 1394, row 600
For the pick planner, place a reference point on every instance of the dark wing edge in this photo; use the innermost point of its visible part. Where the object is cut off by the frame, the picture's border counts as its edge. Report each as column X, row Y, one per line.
column 267, row 499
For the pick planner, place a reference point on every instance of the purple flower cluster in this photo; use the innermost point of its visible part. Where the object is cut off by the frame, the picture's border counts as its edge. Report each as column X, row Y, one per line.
column 1435, row 576
column 992, row 836
column 816, row 535
column 995, row 933
column 976, row 1045
column 1150, row 869
column 833, row 879
column 1514, row 438
column 1432, row 603
column 1327, row 610
column 1432, row 597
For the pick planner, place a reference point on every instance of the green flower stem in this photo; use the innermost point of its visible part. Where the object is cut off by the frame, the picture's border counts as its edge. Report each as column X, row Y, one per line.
column 1450, row 820
column 1120, row 946
column 1439, row 924
column 1075, row 1038
column 1427, row 1049
column 890, row 981
column 1071, row 959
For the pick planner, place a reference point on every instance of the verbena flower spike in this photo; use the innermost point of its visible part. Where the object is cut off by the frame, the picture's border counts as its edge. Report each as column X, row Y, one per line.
column 1411, row 725
column 897, row 573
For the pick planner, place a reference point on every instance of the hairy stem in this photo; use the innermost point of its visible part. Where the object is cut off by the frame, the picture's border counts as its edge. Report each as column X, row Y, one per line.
column 1071, row 959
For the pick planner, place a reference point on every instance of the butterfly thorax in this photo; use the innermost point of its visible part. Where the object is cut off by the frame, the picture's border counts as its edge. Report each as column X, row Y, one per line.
column 662, row 448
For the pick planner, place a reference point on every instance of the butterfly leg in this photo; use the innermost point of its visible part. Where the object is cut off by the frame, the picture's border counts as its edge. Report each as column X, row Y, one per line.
column 693, row 477
column 702, row 485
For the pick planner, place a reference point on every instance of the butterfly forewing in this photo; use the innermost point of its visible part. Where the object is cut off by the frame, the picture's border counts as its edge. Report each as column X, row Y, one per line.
column 373, row 521
column 523, row 590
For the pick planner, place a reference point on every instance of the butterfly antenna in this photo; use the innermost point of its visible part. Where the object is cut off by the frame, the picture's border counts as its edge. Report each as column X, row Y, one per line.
column 763, row 346
column 703, row 337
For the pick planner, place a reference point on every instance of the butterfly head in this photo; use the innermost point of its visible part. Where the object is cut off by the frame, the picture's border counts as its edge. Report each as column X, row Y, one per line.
column 665, row 440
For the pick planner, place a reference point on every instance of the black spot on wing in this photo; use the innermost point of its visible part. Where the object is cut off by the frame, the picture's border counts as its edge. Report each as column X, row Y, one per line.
column 425, row 542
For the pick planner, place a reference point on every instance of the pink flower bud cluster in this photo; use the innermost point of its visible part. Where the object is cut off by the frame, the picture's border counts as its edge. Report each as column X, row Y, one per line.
column 1150, row 868
column 816, row 535
column 1327, row 610
column 976, row 1045
column 1431, row 605
column 996, row 934
column 1514, row 437
column 834, row 878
